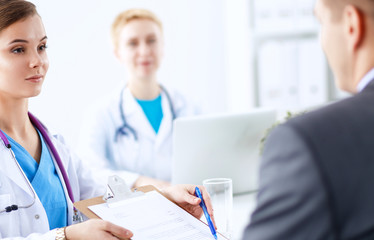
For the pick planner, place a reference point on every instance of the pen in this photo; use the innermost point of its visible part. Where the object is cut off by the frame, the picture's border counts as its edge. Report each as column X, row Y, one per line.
column 202, row 205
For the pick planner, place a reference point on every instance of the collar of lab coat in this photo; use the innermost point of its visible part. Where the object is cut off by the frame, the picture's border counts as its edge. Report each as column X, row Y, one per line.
column 136, row 118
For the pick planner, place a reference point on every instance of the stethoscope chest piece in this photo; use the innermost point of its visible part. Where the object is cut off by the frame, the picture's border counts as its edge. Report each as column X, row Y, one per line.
column 77, row 217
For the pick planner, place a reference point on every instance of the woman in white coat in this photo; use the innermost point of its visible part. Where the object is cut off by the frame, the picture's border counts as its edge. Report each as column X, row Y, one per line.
column 130, row 132
column 40, row 177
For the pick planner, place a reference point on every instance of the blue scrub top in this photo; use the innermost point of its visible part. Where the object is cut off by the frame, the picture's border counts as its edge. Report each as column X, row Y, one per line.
column 153, row 111
column 45, row 181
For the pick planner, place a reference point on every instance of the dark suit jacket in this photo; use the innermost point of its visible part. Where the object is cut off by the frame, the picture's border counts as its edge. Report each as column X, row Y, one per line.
column 317, row 175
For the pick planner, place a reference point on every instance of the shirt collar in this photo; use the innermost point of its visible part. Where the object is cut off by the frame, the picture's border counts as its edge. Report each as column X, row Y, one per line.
column 365, row 80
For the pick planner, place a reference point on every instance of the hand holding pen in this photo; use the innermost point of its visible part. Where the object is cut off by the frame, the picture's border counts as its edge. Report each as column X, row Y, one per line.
column 208, row 216
column 184, row 196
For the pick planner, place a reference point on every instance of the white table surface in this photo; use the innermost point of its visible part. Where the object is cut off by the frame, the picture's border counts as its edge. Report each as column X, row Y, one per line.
column 243, row 206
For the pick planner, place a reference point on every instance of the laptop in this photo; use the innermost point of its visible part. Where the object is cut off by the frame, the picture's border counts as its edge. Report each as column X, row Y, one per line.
column 220, row 146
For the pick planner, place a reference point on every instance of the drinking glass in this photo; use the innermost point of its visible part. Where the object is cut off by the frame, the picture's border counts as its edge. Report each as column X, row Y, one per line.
column 220, row 191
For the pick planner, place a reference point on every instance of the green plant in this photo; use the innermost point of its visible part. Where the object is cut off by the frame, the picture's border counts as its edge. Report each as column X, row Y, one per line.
column 288, row 116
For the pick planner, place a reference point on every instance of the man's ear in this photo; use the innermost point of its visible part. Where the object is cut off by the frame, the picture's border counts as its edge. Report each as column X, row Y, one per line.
column 354, row 26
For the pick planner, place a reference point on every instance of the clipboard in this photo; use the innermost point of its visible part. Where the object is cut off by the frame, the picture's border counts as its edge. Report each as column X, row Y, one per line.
column 115, row 194
column 83, row 205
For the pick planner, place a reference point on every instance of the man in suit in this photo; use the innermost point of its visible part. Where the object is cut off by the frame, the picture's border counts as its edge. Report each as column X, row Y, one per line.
column 317, row 171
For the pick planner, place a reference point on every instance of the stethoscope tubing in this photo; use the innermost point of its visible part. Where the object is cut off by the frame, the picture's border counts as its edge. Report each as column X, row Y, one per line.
column 121, row 129
column 42, row 129
column 16, row 207
column 171, row 104
column 55, row 154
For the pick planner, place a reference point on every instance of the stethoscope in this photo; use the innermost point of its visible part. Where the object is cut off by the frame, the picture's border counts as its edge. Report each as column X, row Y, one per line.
column 122, row 129
column 42, row 129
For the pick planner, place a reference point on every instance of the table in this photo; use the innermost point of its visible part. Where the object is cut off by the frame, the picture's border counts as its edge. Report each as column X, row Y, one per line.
column 243, row 206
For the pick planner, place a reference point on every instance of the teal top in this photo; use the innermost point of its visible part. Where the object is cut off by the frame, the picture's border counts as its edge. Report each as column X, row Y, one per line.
column 45, row 181
column 153, row 110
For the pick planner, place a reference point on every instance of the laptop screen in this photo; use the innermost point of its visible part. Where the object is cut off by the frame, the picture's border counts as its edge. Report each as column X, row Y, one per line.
column 220, row 146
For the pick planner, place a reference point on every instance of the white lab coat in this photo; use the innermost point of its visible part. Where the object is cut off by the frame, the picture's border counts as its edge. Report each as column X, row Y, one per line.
column 151, row 155
column 32, row 223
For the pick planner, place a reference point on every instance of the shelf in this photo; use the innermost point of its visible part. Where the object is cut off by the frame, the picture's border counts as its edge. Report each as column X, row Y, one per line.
column 282, row 34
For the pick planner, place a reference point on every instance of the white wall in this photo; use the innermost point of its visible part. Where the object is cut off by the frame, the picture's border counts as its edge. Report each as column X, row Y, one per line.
column 239, row 81
column 82, row 66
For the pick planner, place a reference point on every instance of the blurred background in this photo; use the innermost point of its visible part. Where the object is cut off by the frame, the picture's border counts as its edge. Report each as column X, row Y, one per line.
column 228, row 56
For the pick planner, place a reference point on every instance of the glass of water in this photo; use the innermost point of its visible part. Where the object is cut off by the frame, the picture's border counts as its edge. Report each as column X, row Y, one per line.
column 220, row 191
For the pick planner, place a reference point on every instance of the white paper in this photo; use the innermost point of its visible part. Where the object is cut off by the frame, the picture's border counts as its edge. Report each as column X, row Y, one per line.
column 152, row 216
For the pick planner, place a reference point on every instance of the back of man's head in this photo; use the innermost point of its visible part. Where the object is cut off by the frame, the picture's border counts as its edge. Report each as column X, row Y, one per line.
column 347, row 37
column 337, row 7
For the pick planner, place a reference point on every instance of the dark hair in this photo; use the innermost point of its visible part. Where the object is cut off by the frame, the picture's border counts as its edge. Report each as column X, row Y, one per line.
column 12, row 11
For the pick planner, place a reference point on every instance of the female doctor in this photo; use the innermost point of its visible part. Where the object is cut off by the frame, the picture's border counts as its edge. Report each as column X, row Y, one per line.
column 40, row 177
column 130, row 132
